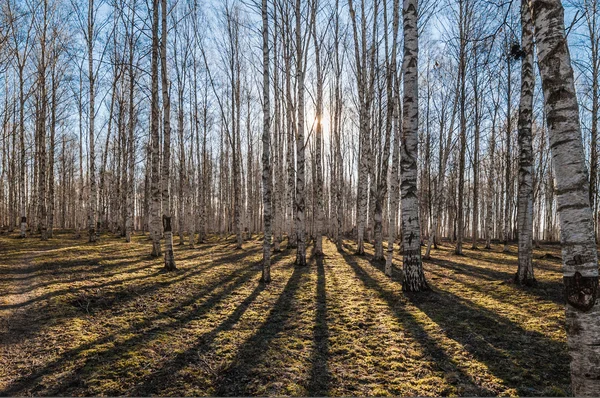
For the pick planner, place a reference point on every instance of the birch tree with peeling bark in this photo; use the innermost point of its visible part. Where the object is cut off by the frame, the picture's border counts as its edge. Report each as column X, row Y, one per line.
column 524, row 274
column 364, row 56
column 318, row 248
column 166, row 160
column 413, row 278
column 155, row 180
column 266, row 154
column 578, row 245
column 93, row 200
column 300, row 202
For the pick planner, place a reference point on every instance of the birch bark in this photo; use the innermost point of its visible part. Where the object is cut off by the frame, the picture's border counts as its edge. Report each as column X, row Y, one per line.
column 413, row 279
column 524, row 274
column 266, row 154
column 579, row 252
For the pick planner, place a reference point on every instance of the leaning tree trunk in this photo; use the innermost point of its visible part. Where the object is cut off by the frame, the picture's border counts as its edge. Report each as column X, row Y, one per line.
column 413, row 279
column 524, row 274
column 579, row 252
column 266, row 155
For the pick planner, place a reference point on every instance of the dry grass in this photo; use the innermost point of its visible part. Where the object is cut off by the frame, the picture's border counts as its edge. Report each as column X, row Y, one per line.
column 104, row 319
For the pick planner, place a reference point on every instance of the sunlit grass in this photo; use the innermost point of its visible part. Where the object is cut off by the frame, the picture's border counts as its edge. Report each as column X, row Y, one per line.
column 104, row 319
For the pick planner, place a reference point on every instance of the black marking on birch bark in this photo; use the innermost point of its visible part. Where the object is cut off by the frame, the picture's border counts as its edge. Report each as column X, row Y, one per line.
column 410, row 238
column 167, row 224
column 577, row 260
column 576, row 188
column 581, row 291
column 23, row 219
column 576, row 206
column 562, row 142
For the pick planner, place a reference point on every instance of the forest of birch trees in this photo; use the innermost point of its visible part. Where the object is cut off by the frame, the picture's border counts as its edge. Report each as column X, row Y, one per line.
column 400, row 124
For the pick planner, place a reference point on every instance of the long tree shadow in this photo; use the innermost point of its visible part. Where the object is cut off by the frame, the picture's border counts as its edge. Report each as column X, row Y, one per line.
column 106, row 299
column 318, row 384
column 491, row 259
column 547, row 290
column 143, row 330
column 416, row 330
column 161, row 379
column 519, row 357
column 233, row 381
column 524, row 359
column 102, row 272
column 239, row 255
column 71, row 289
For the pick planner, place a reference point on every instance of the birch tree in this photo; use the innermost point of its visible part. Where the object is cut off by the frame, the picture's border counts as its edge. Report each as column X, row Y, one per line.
column 578, row 245
column 266, row 154
column 300, row 142
column 166, row 161
column 93, row 200
column 155, row 187
column 524, row 274
column 413, row 279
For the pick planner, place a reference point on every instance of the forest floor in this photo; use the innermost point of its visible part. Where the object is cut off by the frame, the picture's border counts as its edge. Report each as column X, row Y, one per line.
column 104, row 319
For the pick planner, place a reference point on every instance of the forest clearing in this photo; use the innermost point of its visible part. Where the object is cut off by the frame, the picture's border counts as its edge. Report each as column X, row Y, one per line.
column 105, row 319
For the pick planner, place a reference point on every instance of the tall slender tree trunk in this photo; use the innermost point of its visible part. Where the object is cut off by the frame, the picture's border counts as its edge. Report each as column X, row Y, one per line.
column 394, row 177
column 93, row 200
column 389, row 124
column 266, row 153
column 413, row 279
column 362, row 78
column 129, row 223
column 41, row 127
column 51, row 201
column 300, row 144
column 22, row 159
column 166, row 162
column 507, row 165
column 318, row 250
column 463, row 125
column 524, row 274
column 477, row 133
column 579, row 251
column 155, row 187
column 489, row 226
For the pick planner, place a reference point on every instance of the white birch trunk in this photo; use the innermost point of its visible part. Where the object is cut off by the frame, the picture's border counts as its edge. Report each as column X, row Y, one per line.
column 413, row 278
column 524, row 274
column 579, row 252
column 166, row 163
column 266, row 153
column 300, row 145
column 93, row 200
column 155, row 187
